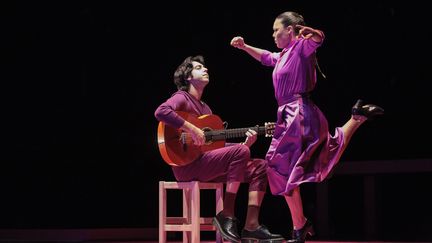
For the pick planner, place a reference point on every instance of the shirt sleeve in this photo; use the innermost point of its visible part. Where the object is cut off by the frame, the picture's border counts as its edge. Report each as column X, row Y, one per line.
column 166, row 112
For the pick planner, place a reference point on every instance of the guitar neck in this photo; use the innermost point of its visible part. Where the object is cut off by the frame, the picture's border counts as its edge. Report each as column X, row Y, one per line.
column 232, row 133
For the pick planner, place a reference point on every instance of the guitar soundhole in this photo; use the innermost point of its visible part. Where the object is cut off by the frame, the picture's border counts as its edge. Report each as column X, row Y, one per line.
column 208, row 135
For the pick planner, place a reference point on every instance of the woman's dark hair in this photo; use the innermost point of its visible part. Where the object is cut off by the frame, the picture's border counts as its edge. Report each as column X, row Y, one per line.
column 291, row 18
column 183, row 72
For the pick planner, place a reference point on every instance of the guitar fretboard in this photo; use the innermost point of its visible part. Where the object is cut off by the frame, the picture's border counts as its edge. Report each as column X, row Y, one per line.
column 232, row 133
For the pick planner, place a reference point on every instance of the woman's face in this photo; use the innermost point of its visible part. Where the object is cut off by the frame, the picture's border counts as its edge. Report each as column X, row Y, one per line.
column 282, row 35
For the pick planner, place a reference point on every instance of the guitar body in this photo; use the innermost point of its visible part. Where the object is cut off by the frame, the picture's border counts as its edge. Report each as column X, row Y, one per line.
column 179, row 151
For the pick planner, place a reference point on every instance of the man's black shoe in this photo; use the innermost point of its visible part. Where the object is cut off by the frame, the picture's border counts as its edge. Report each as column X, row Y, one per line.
column 227, row 226
column 260, row 235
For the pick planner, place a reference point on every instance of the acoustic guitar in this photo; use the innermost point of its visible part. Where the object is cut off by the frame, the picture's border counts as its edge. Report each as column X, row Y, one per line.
column 176, row 145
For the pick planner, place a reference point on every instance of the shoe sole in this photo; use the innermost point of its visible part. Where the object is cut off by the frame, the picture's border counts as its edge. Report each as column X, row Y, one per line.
column 224, row 235
column 255, row 240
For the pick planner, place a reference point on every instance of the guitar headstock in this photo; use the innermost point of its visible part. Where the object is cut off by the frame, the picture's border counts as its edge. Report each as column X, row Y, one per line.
column 269, row 128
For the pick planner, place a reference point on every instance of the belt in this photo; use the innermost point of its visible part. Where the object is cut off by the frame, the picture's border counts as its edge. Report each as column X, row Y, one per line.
column 293, row 97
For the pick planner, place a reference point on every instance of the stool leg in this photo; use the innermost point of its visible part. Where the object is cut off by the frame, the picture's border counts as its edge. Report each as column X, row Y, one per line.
column 162, row 212
column 187, row 213
column 195, row 209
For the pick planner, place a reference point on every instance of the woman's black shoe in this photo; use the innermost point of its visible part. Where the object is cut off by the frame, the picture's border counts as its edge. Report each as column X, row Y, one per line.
column 299, row 236
column 369, row 110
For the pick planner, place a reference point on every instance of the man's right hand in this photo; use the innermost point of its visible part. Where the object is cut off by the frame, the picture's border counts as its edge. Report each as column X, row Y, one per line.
column 196, row 133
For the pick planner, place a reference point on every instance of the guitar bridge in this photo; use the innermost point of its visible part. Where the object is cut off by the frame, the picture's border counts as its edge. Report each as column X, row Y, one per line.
column 183, row 141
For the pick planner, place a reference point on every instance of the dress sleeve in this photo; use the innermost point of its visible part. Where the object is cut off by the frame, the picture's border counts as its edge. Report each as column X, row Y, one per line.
column 309, row 46
column 166, row 111
column 269, row 58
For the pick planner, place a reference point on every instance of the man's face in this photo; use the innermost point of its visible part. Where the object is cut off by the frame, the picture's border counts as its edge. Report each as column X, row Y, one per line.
column 199, row 75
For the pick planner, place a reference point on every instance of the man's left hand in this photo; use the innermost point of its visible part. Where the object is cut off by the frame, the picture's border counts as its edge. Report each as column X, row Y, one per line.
column 251, row 137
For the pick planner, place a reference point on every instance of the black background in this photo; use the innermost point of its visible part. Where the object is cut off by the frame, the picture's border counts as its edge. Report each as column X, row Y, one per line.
column 82, row 79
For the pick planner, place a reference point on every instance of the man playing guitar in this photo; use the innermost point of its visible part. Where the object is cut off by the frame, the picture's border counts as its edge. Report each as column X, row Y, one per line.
column 230, row 164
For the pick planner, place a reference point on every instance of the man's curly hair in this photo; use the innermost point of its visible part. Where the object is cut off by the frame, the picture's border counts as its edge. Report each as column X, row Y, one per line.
column 183, row 72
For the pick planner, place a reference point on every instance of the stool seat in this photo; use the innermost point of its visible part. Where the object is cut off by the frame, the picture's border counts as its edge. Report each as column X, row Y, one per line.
column 191, row 223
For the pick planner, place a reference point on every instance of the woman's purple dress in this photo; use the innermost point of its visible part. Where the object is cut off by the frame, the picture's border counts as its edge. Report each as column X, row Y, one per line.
column 302, row 149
